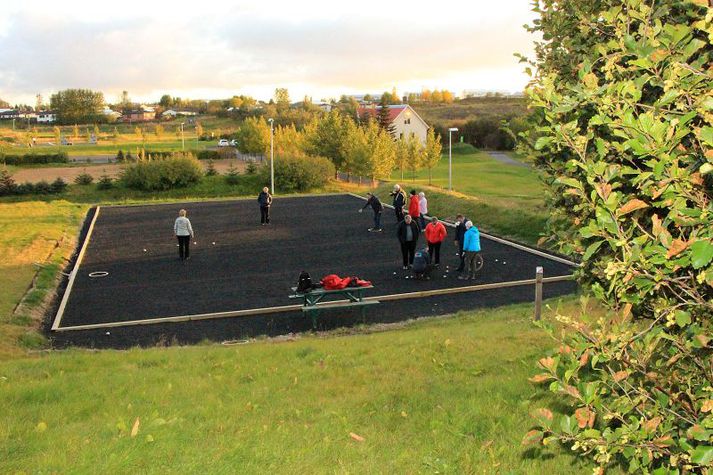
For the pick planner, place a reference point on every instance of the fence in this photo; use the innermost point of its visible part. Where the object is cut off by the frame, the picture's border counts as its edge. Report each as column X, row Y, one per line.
column 361, row 180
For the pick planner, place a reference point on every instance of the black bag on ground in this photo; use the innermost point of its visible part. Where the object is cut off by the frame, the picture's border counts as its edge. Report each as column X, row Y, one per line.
column 304, row 282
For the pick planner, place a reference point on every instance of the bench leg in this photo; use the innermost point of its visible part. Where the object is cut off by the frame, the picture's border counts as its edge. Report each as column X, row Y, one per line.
column 313, row 315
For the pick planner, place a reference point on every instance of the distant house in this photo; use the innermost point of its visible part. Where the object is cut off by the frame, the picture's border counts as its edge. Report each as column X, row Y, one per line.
column 325, row 106
column 9, row 114
column 169, row 114
column 111, row 114
column 142, row 114
column 405, row 120
column 46, row 117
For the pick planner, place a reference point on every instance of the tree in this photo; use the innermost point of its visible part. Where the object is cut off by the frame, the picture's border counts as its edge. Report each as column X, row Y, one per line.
column 166, row 101
column 414, row 155
column 253, row 136
column 78, row 106
column 383, row 118
column 401, row 156
column 324, row 137
column 199, row 129
column 158, row 130
column 57, row 135
column 622, row 131
column 282, row 100
column 288, row 141
column 432, row 152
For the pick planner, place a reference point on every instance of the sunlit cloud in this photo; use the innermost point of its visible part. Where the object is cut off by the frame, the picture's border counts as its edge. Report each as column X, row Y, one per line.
column 216, row 49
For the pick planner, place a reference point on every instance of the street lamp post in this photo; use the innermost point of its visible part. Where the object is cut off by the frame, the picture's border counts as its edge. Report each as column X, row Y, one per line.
column 450, row 158
column 272, row 156
column 183, row 140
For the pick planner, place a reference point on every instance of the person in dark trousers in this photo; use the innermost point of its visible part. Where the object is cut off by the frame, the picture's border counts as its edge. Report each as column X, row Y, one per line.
column 460, row 233
column 435, row 234
column 184, row 233
column 265, row 200
column 377, row 207
column 471, row 247
column 407, row 233
column 399, row 202
column 413, row 206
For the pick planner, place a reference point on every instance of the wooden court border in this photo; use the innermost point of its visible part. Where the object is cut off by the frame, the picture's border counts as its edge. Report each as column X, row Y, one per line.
column 292, row 308
column 73, row 274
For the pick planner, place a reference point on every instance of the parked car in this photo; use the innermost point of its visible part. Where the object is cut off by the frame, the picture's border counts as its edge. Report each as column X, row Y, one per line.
column 233, row 143
column 223, row 143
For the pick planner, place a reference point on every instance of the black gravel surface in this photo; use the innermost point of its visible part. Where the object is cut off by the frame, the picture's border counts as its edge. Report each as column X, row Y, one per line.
column 238, row 264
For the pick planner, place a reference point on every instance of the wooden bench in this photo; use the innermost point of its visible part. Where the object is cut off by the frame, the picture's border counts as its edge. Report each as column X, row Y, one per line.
column 314, row 300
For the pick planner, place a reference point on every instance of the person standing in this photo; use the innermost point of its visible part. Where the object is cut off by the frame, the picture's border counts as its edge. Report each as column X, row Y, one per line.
column 422, row 208
column 265, row 200
column 471, row 247
column 377, row 207
column 407, row 233
column 413, row 208
column 398, row 203
column 460, row 233
column 435, row 234
column 184, row 233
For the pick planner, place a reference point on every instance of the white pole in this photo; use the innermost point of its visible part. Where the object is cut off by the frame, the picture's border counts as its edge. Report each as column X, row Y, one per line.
column 450, row 160
column 538, row 292
column 272, row 158
column 183, row 140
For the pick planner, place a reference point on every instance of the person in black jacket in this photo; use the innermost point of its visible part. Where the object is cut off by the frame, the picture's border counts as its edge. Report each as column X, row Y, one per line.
column 265, row 200
column 375, row 203
column 399, row 202
column 460, row 233
column 408, row 232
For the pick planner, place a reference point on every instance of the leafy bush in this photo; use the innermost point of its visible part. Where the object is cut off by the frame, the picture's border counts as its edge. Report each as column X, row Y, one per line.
column 58, row 186
column 34, row 158
column 84, row 178
column 41, row 187
column 299, row 174
column 174, row 172
column 251, row 168
column 207, row 155
column 622, row 107
column 105, row 182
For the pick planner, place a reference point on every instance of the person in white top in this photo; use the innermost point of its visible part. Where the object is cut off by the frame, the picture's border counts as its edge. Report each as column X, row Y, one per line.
column 423, row 209
column 184, row 232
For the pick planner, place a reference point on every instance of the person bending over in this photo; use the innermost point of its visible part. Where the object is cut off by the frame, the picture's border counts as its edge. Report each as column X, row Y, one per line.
column 377, row 207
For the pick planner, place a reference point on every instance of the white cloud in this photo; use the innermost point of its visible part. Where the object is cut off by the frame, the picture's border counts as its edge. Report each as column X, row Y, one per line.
column 215, row 49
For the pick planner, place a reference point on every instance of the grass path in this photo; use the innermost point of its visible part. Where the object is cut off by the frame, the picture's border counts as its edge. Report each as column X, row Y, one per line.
column 437, row 396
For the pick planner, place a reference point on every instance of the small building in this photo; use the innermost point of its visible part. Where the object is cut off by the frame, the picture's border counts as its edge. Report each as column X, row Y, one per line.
column 111, row 114
column 405, row 120
column 46, row 117
column 142, row 114
column 9, row 114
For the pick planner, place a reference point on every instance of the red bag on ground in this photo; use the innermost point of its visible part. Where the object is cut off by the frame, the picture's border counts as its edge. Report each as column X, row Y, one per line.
column 334, row 282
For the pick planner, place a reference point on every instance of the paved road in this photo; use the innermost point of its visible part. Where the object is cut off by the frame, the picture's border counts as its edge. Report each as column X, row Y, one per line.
column 505, row 158
column 68, row 174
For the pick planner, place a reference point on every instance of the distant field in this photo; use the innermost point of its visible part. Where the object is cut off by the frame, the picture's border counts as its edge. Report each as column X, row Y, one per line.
column 468, row 109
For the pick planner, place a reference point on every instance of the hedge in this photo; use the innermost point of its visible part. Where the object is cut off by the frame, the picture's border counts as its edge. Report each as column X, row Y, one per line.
column 34, row 158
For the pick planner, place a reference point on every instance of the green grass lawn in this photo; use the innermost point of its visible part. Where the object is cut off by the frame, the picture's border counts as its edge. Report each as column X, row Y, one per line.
column 504, row 199
column 113, row 146
column 437, row 396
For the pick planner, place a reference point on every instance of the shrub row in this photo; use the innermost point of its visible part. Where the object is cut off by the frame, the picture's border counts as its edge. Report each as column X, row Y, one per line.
column 207, row 154
column 175, row 172
column 299, row 174
column 34, row 158
column 9, row 187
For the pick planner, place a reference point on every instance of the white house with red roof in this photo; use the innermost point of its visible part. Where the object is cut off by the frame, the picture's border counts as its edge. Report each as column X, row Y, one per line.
column 405, row 120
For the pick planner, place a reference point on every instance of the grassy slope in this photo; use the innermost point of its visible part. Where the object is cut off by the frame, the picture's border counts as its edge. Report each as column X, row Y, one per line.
column 500, row 198
column 445, row 395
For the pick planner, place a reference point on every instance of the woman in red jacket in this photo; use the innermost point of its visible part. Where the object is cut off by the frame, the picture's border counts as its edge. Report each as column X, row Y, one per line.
column 413, row 208
column 435, row 234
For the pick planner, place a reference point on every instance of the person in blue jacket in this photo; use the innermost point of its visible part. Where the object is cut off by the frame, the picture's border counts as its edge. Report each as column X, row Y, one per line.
column 471, row 248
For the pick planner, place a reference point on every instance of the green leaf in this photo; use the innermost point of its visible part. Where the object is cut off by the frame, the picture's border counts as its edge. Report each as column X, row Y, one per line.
column 542, row 142
column 701, row 254
column 702, row 455
column 682, row 318
column 591, row 249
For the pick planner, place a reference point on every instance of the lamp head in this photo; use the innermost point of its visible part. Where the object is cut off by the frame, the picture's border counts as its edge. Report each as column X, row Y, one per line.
column 453, row 129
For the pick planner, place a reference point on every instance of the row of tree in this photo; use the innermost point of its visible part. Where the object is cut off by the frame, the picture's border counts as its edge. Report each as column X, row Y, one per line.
column 365, row 149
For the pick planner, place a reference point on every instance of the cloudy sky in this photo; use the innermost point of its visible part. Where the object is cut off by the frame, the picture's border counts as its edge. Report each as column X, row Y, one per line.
column 214, row 49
